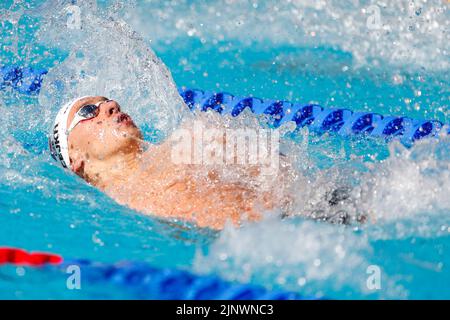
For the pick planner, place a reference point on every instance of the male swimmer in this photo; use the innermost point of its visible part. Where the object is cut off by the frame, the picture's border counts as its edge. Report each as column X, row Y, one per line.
column 93, row 138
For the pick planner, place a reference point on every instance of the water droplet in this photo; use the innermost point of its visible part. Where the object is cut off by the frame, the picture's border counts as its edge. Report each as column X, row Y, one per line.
column 301, row 281
column 20, row 271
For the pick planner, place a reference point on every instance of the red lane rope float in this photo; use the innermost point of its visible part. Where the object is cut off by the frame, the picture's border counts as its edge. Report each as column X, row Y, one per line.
column 19, row 257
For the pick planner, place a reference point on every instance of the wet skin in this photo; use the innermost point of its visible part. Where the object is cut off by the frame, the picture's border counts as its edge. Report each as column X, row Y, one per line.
column 109, row 153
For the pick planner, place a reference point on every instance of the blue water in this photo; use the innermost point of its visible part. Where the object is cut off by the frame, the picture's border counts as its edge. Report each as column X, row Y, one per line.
column 42, row 208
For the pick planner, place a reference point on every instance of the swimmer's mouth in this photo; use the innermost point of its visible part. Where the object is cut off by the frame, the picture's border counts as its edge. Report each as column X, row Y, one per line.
column 124, row 119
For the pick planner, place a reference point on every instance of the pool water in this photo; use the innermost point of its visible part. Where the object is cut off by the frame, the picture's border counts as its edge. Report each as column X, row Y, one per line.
column 292, row 50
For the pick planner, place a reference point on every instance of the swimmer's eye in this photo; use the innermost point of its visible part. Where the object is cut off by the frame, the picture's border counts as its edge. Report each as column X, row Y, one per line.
column 89, row 111
column 86, row 112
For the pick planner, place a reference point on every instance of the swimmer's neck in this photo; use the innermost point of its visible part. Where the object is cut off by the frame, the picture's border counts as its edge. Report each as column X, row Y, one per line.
column 116, row 170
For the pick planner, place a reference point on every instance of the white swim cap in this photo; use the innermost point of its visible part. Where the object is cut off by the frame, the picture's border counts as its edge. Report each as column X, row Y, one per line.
column 58, row 139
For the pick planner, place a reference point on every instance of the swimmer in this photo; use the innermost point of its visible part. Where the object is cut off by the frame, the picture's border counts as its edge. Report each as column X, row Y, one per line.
column 93, row 138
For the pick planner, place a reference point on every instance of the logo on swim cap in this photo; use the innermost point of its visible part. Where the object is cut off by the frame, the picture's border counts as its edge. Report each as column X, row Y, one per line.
column 55, row 148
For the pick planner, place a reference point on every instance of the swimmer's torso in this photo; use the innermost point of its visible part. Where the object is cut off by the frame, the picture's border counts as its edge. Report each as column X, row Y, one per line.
column 193, row 192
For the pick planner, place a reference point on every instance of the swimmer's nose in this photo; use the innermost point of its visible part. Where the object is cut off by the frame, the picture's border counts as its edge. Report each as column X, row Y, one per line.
column 110, row 108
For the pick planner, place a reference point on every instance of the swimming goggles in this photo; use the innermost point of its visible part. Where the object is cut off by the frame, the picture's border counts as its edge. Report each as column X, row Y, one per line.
column 86, row 112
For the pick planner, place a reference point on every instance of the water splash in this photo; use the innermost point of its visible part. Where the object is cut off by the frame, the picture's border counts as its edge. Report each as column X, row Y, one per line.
column 304, row 257
column 407, row 194
column 406, row 200
column 411, row 34
column 106, row 57
column 411, row 181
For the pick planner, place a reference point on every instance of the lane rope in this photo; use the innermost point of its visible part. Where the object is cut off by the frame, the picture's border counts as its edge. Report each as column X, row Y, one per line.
column 343, row 121
column 317, row 118
column 20, row 257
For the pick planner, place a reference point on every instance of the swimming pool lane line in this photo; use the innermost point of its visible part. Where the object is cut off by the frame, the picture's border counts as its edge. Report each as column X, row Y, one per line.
column 343, row 121
column 146, row 281
column 20, row 257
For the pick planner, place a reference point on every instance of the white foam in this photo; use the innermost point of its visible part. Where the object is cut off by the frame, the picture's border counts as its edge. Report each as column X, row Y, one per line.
column 306, row 257
column 407, row 34
column 404, row 196
column 411, row 181
column 409, row 191
column 106, row 57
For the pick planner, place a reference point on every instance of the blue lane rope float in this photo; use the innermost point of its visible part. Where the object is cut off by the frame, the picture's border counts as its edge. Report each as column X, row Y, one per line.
column 26, row 80
column 173, row 284
column 340, row 120
column 145, row 281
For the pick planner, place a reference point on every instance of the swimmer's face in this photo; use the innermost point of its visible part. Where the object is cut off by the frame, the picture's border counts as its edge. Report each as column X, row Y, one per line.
column 109, row 133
